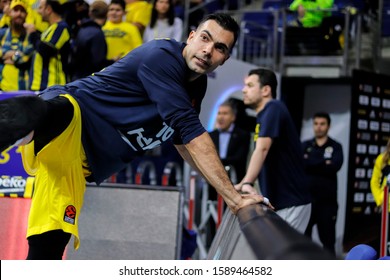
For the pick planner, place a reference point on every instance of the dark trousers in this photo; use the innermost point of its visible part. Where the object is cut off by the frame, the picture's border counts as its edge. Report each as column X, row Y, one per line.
column 324, row 216
column 48, row 246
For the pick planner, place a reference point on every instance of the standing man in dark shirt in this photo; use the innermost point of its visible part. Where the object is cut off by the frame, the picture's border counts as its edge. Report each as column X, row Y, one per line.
column 93, row 127
column 323, row 158
column 277, row 158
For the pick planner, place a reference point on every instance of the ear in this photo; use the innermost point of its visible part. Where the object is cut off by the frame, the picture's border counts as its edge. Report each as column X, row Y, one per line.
column 191, row 36
column 266, row 91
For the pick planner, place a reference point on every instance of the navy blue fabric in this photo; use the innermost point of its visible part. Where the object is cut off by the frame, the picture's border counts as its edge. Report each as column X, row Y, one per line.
column 322, row 178
column 89, row 50
column 282, row 177
column 136, row 104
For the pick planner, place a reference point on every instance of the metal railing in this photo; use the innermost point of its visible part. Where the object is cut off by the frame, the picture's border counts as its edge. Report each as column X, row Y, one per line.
column 269, row 50
column 209, row 210
column 267, row 235
column 170, row 169
column 346, row 57
column 146, row 167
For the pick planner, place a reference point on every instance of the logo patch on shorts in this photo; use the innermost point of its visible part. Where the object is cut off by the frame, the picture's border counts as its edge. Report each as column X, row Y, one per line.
column 70, row 214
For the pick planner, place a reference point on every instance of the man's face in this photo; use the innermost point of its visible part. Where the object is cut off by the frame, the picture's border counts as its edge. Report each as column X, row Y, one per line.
column 115, row 13
column 207, row 47
column 252, row 91
column 320, row 127
column 42, row 10
column 18, row 16
column 225, row 117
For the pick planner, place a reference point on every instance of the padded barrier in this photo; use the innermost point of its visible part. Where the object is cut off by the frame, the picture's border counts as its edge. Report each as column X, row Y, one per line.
column 258, row 233
column 129, row 222
column 13, row 226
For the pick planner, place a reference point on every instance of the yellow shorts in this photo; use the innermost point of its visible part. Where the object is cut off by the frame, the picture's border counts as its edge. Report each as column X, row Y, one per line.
column 59, row 180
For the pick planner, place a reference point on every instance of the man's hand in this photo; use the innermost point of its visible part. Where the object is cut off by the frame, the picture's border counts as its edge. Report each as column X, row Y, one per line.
column 8, row 54
column 245, row 188
column 30, row 28
column 250, row 199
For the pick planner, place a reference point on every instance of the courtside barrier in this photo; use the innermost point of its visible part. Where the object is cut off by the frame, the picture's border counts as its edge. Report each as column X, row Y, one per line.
column 259, row 233
column 130, row 222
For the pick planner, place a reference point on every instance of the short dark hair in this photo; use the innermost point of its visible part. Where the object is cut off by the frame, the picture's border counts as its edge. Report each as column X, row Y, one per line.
column 56, row 6
column 121, row 3
column 226, row 21
column 98, row 10
column 323, row 115
column 267, row 77
column 231, row 104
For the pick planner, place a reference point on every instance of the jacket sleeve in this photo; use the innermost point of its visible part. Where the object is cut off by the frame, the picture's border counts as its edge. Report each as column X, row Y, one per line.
column 375, row 182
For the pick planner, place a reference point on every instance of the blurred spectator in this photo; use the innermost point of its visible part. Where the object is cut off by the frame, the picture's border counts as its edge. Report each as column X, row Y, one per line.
column 309, row 14
column 34, row 17
column 16, row 50
column 138, row 12
column 4, row 5
column 379, row 179
column 163, row 23
column 379, row 176
column 74, row 12
column 90, row 49
column 5, row 13
column 121, row 37
column 52, row 48
column 231, row 141
column 314, row 31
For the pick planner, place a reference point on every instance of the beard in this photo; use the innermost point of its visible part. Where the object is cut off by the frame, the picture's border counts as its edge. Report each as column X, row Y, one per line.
column 17, row 24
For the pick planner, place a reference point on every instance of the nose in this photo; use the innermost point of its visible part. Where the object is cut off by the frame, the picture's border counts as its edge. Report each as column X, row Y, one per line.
column 208, row 49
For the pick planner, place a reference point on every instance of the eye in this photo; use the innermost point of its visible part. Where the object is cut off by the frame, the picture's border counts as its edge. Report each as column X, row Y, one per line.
column 220, row 49
column 204, row 37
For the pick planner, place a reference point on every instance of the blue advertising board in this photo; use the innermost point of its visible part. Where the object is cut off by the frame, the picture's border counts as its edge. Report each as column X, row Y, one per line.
column 14, row 181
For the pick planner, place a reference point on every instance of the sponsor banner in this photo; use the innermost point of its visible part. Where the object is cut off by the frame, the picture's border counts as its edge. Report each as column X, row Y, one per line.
column 14, row 181
column 370, row 127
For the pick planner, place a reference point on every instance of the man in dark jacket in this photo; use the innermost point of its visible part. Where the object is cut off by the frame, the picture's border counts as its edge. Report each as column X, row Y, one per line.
column 231, row 141
column 90, row 48
column 323, row 158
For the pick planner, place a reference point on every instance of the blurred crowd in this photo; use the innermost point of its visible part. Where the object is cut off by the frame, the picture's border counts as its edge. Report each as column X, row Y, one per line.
column 51, row 42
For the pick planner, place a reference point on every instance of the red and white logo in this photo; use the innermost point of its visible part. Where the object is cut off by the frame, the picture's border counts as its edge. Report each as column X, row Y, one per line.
column 70, row 214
